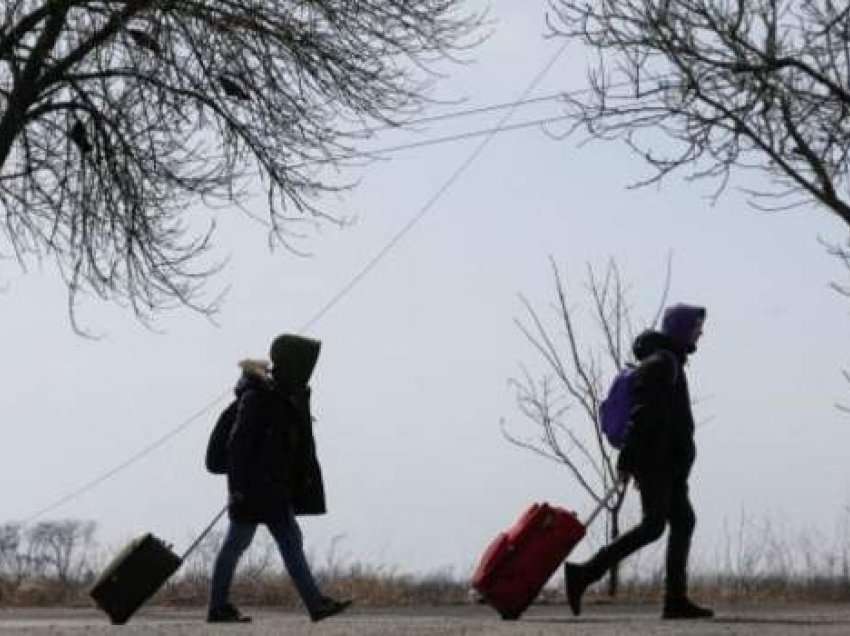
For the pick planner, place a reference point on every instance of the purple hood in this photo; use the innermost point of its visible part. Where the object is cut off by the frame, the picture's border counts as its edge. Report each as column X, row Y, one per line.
column 679, row 323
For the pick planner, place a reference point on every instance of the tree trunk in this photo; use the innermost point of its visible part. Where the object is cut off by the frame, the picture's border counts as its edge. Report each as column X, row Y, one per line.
column 24, row 90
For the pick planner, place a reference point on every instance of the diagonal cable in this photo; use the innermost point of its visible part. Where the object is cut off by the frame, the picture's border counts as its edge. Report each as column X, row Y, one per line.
column 368, row 267
column 457, row 114
column 372, row 154
column 429, row 205
column 126, row 463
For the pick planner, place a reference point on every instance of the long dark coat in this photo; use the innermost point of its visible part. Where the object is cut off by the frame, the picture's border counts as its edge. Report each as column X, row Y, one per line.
column 272, row 453
column 661, row 438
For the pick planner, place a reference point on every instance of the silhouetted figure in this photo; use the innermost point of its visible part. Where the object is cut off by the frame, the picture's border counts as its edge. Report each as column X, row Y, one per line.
column 659, row 452
column 273, row 473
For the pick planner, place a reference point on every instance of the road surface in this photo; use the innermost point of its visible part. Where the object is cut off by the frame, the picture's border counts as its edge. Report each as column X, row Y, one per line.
column 763, row 620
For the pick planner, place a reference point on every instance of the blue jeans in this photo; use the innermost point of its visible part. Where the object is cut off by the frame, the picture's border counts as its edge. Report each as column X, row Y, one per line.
column 287, row 535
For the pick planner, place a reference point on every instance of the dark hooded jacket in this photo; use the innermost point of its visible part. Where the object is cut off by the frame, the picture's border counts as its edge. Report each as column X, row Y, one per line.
column 661, row 438
column 272, row 451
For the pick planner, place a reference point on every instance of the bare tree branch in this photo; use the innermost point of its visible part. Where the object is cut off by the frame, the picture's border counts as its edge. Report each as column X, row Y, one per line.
column 717, row 87
column 116, row 118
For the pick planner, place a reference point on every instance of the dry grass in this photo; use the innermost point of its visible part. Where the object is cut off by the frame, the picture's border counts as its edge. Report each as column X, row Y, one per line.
column 377, row 587
column 370, row 586
column 756, row 563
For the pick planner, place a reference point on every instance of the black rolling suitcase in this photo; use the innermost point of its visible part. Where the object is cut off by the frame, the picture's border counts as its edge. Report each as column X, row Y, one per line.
column 136, row 573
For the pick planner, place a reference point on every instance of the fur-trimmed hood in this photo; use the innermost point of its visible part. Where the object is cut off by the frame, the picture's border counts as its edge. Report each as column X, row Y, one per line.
column 255, row 374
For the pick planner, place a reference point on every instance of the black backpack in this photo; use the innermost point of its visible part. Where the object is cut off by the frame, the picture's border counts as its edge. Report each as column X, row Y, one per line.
column 217, row 451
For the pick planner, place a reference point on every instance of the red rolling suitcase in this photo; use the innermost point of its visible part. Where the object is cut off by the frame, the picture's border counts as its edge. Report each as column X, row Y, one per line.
column 519, row 562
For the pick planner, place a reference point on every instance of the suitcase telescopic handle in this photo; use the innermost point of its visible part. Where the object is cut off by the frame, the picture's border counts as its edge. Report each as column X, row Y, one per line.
column 601, row 504
column 203, row 534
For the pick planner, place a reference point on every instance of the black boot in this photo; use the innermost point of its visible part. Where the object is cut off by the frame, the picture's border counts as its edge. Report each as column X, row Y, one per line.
column 575, row 578
column 327, row 608
column 682, row 608
column 227, row 613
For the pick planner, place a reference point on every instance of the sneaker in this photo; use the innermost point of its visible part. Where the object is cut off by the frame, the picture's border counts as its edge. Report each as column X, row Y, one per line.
column 576, row 583
column 328, row 607
column 683, row 608
column 227, row 613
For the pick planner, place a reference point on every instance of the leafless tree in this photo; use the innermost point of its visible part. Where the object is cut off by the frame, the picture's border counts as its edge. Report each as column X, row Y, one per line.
column 10, row 539
column 115, row 117
column 712, row 87
column 562, row 406
column 63, row 547
column 15, row 564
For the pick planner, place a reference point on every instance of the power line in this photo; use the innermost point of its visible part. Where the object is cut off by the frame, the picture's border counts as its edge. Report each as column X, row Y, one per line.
column 160, row 441
column 559, row 96
column 372, row 154
column 463, row 113
column 435, row 141
column 370, row 265
column 131, row 460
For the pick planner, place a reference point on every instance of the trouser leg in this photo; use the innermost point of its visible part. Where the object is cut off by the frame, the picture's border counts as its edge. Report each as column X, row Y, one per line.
column 682, row 522
column 236, row 541
column 655, row 503
column 289, row 541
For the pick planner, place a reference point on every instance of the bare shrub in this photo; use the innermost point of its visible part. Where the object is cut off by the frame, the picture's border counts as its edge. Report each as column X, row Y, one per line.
column 47, row 563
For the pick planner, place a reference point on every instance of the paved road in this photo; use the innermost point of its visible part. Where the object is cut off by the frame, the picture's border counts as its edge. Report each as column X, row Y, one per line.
column 774, row 620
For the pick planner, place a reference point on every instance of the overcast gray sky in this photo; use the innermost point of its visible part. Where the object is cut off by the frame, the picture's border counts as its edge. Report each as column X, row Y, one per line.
column 412, row 382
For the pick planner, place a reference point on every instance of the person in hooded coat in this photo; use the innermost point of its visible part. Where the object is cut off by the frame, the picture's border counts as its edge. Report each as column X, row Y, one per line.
column 659, row 452
column 273, row 473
